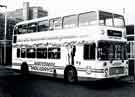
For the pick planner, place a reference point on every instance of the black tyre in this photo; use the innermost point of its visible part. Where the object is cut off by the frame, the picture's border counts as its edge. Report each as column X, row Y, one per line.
column 24, row 69
column 71, row 75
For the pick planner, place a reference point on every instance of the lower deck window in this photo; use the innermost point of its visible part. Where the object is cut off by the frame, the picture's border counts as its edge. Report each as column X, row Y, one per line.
column 89, row 51
column 23, row 52
column 30, row 53
column 18, row 52
column 42, row 53
column 53, row 53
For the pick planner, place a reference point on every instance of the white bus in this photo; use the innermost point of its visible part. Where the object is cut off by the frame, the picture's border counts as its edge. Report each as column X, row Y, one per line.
column 78, row 46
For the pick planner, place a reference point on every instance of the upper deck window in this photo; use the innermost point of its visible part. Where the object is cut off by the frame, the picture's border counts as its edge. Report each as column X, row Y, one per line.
column 88, row 18
column 106, row 19
column 55, row 23
column 118, row 20
column 43, row 25
column 22, row 29
column 110, row 19
column 16, row 30
column 32, row 27
column 70, row 21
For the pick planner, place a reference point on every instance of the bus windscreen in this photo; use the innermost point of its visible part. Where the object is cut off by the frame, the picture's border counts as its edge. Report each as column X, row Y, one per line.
column 111, row 50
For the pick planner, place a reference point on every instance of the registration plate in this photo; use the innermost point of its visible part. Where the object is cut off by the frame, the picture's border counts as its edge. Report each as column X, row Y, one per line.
column 116, row 70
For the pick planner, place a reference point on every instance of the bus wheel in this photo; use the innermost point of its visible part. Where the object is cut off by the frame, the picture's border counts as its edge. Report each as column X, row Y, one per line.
column 24, row 69
column 71, row 75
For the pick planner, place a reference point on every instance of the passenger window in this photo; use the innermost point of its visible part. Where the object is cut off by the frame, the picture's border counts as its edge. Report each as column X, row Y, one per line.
column 14, row 39
column 31, row 53
column 23, row 53
column 42, row 53
column 54, row 53
column 55, row 23
column 22, row 29
column 105, row 19
column 18, row 52
column 92, row 51
column 89, row 51
column 43, row 25
column 16, row 30
column 88, row 18
column 32, row 27
column 86, row 52
column 70, row 21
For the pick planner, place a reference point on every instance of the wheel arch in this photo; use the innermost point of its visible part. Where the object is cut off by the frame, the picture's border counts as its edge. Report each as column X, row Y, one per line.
column 70, row 66
column 24, row 63
column 24, row 67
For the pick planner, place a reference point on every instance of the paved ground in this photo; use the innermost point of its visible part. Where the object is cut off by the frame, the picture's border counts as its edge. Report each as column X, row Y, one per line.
column 13, row 84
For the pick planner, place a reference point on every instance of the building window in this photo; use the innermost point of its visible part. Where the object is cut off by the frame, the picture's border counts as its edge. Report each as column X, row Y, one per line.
column 42, row 53
column 89, row 51
column 70, row 21
column 54, row 53
column 31, row 53
column 43, row 25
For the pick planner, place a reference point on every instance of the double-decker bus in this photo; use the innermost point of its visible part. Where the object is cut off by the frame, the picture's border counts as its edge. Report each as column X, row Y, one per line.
column 78, row 46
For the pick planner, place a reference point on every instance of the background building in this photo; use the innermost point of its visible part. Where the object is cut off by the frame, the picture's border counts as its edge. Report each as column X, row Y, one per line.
column 28, row 13
column 131, row 48
column 6, row 42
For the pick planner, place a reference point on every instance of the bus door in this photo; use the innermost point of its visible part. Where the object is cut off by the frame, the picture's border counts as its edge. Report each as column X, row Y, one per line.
column 71, row 50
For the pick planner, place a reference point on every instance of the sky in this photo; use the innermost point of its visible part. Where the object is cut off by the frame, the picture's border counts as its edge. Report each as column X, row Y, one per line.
column 60, row 7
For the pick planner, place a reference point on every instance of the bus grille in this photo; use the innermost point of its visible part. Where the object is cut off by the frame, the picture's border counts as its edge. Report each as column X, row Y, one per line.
column 116, row 70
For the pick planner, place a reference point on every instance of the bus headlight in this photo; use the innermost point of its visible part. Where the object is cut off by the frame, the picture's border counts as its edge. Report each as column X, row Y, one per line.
column 88, row 69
